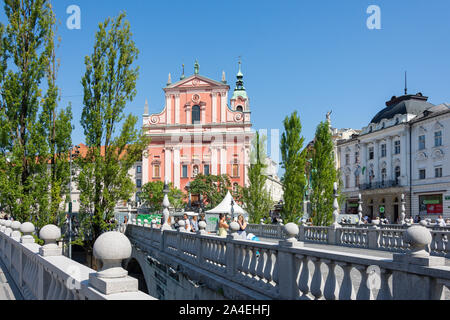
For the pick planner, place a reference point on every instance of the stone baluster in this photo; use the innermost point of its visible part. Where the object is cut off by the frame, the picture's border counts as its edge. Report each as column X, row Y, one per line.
column 27, row 230
column 134, row 221
column 111, row 248
column 334, row 230
column 360, row 211
column 305, row 277
column 154, row 224
column 331, row 289
column 2, row 226
column 146, row 223
column 365, row 290
column 139, row 222
column 317, row 284
column 15, row 226
column 347, row 291
column 403, row 211
column 385, row 292
column 50, row 234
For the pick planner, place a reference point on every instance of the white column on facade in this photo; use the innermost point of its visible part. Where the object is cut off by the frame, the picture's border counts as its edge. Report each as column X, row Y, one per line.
column 177, row 109
column 188, row 115
column 145, row 166
column 214, row 107
column 169, row 108
column 223, row 106
column 404, row 150
column 223, row 160
column 203, row 117
column 167, row 165
column 376, row 168
column 176, row 167
column 246, row 165
column 389, row 158
column 214, row 161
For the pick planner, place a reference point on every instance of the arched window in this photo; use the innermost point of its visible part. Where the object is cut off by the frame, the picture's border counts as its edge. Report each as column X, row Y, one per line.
column 195, row 114
column 239, row 108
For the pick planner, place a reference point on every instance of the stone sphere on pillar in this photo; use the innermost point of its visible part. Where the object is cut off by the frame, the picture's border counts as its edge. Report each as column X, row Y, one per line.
column 234, row 227
column 291, row 230
column 181, row 225
column 419, row 237
column 111, row 248
column 50, row 233
column 202, row 225
column 16, row 227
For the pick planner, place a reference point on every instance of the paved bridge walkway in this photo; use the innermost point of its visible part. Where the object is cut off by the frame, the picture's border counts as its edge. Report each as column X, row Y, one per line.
column 368, row 252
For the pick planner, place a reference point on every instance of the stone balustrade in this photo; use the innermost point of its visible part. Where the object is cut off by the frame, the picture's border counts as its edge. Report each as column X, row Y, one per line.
column 378, row 237
column 288, row 270
column 43, row 273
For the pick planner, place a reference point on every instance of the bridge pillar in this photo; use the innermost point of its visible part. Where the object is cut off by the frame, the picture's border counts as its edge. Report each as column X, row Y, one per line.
column 111, row 248
column 286, row 262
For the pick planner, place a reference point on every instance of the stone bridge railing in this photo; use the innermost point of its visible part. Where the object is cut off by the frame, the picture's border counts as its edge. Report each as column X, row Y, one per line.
column 287, row 270
column 381, row 237
column 43, row 273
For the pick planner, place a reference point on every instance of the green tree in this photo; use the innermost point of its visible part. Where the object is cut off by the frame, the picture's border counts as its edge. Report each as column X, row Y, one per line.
column 323, row 176
column 213, row 188
column 152, row 196
column 28, row 142
column 294, row 179
column 257, row 200
column 109, row 82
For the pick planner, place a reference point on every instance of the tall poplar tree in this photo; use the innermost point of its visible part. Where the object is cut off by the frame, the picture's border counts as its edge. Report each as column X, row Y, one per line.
column 114, row 144
column 294, row 180
column 28, row 59
column 323, row 176
column 257, row 200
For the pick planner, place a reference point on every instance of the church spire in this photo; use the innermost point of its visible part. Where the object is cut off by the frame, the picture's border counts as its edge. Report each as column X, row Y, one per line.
column 240, row 77
column 169, row 81
column 146, row 108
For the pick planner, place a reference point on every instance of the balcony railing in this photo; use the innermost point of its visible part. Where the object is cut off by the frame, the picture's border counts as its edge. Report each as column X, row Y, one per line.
column 379, row 185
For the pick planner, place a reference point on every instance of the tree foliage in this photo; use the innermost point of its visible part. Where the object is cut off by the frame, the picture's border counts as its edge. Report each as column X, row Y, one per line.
column 293, row 158
column 34, row 136
column 213, row 188
column 323, row 176
column 257, row 200
column 109, row 82
column 152, row 196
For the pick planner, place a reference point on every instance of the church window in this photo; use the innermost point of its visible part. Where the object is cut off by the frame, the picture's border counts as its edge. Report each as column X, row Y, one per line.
column 156, row 171
column 195, row 114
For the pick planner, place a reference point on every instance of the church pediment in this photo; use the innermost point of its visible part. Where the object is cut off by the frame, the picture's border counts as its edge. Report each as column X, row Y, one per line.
column 195, row 82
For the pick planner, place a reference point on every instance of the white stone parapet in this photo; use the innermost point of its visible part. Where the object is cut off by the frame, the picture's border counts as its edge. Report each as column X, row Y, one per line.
column 43, row 273
column 281, row 271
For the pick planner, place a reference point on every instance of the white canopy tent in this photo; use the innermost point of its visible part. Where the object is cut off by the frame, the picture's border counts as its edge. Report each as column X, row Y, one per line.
column 225, row 207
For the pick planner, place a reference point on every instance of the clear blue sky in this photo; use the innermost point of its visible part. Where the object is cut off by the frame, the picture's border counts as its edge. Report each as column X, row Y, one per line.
column 310, row 56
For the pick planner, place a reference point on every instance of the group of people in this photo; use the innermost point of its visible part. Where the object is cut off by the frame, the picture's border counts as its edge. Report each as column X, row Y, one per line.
column 224, row 226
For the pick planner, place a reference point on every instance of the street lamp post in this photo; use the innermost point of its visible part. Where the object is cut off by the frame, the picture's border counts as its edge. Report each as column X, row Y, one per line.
column 72, row 155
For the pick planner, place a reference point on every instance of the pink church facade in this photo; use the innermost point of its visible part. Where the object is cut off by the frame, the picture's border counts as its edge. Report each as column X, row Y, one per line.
column 199, row 130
